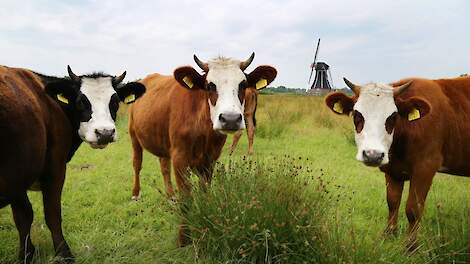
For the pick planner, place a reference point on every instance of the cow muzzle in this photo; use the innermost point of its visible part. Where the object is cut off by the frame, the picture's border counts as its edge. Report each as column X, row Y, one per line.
column 230, row 122
column 373, row 158
column 104, row 137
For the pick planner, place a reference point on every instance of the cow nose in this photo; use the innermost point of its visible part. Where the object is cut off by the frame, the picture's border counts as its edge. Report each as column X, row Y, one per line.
column 373, row 157
column 105, row 136
column 230, row 121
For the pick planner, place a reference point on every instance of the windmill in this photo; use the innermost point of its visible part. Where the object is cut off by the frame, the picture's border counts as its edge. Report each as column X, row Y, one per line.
column 322, row 83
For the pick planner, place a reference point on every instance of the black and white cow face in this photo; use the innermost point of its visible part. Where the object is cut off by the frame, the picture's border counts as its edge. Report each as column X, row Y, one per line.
column 225, row 81
column 375, row 110
column 93, row 100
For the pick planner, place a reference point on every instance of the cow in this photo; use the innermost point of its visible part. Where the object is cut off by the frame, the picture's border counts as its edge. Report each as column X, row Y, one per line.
column 410, row 129
column 184, row 119
column 43, row 121
column 251, row 103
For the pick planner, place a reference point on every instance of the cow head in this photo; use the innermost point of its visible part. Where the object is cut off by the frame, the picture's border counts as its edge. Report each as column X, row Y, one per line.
column 225, row 82
column 93, row 101
column 376, row 109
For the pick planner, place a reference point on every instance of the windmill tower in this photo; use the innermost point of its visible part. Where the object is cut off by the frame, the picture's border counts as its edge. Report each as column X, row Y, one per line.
column 323, row 82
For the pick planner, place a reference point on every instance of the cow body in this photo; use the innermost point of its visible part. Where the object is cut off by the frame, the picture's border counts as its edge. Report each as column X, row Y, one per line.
column 38, row 137
column 177, row 128
column 430, row 134
column 183, row 119
column 251, row 103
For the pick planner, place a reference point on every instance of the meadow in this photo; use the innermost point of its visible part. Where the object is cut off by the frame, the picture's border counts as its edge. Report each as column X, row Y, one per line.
column 324, row 206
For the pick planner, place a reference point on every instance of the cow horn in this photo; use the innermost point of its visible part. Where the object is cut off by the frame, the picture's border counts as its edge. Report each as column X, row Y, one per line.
column 119, row 79
column 245, row 64
column 400, row 89
column 355, row 88
column 72, row 75
column 203, row 65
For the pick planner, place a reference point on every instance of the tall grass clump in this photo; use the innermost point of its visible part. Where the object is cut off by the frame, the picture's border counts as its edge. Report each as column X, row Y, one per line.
column 267, row 212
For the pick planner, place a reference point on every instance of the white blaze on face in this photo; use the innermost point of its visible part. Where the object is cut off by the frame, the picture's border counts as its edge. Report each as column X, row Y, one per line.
column 98, row 92
column 227, row 76
column 376, row 104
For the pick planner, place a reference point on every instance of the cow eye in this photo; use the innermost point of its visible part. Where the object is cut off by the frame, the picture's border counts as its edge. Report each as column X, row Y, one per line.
column 114, row 106
column 390, row 122
column 358, row 121
column 83, row 108
column 211, row 87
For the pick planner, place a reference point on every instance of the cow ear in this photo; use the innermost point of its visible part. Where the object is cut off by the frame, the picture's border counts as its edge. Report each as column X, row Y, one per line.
column 62, row 91
column 129, row 92
column 189, row 78
column 340, row 103
column 413, row 108
column 261, row 77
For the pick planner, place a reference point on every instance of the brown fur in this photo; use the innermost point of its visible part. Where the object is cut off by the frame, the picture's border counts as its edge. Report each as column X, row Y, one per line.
column 440, row 139
column 173, row 123
column 251, row 102
column 36, row 138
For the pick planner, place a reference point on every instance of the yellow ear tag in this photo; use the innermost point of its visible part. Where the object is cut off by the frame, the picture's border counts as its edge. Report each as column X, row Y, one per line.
column 414, row 114
column 187, row 80
column 62, row 98
column 338, row 108
column 261, row 84
column 129, row 99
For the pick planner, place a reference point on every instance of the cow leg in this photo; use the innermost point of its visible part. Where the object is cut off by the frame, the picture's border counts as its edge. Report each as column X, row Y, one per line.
column 181, row 169
column 394, row 192
column 236, row 138
column 165, row 167
column 250, row 130
column 420, row 184
column 51, row 193
column 137, row 164
column 23, row 217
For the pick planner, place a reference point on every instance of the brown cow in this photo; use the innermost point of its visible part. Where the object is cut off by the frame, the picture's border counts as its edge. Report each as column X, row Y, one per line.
column 251, row 103
column 183, row 119
column 39, row 135
column 412, row 131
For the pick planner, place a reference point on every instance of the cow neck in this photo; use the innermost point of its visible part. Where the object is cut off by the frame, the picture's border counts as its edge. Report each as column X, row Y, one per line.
column 70, row 113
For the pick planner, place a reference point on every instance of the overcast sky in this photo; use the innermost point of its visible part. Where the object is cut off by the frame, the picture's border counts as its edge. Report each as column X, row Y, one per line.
column 367, row 40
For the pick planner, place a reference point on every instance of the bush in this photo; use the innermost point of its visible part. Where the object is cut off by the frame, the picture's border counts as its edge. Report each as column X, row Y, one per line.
column 260, row 213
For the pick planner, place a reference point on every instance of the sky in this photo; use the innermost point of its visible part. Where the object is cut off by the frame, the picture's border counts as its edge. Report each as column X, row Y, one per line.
column 366, row 40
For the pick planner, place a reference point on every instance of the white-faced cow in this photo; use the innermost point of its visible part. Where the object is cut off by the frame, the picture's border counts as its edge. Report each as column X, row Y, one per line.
column 411, row 129
column 43, row 121
column 183, row 119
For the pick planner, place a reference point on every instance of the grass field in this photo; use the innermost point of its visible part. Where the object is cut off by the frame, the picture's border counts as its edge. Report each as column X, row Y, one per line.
column 103, row 225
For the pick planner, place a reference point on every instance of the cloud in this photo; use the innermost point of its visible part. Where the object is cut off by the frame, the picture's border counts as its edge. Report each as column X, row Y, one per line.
column 364, row 40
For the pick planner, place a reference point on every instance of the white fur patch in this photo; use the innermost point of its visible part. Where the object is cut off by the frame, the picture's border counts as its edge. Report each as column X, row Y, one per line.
column 376, row 104
column 99, row 92
column 226, row 75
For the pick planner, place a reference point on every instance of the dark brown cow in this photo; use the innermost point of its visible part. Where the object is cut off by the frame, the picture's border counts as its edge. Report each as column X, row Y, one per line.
column 39, row 135
column 251, row 103
column 183, row 119
column 412, row 131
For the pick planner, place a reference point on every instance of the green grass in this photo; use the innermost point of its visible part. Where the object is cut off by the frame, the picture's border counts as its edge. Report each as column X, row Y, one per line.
column 103, row 225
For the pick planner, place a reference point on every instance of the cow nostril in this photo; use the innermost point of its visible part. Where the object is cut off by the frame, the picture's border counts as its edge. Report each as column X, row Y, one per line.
column 239, row 119
column 382, row 155
column 221, row 118
column 97, row 132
